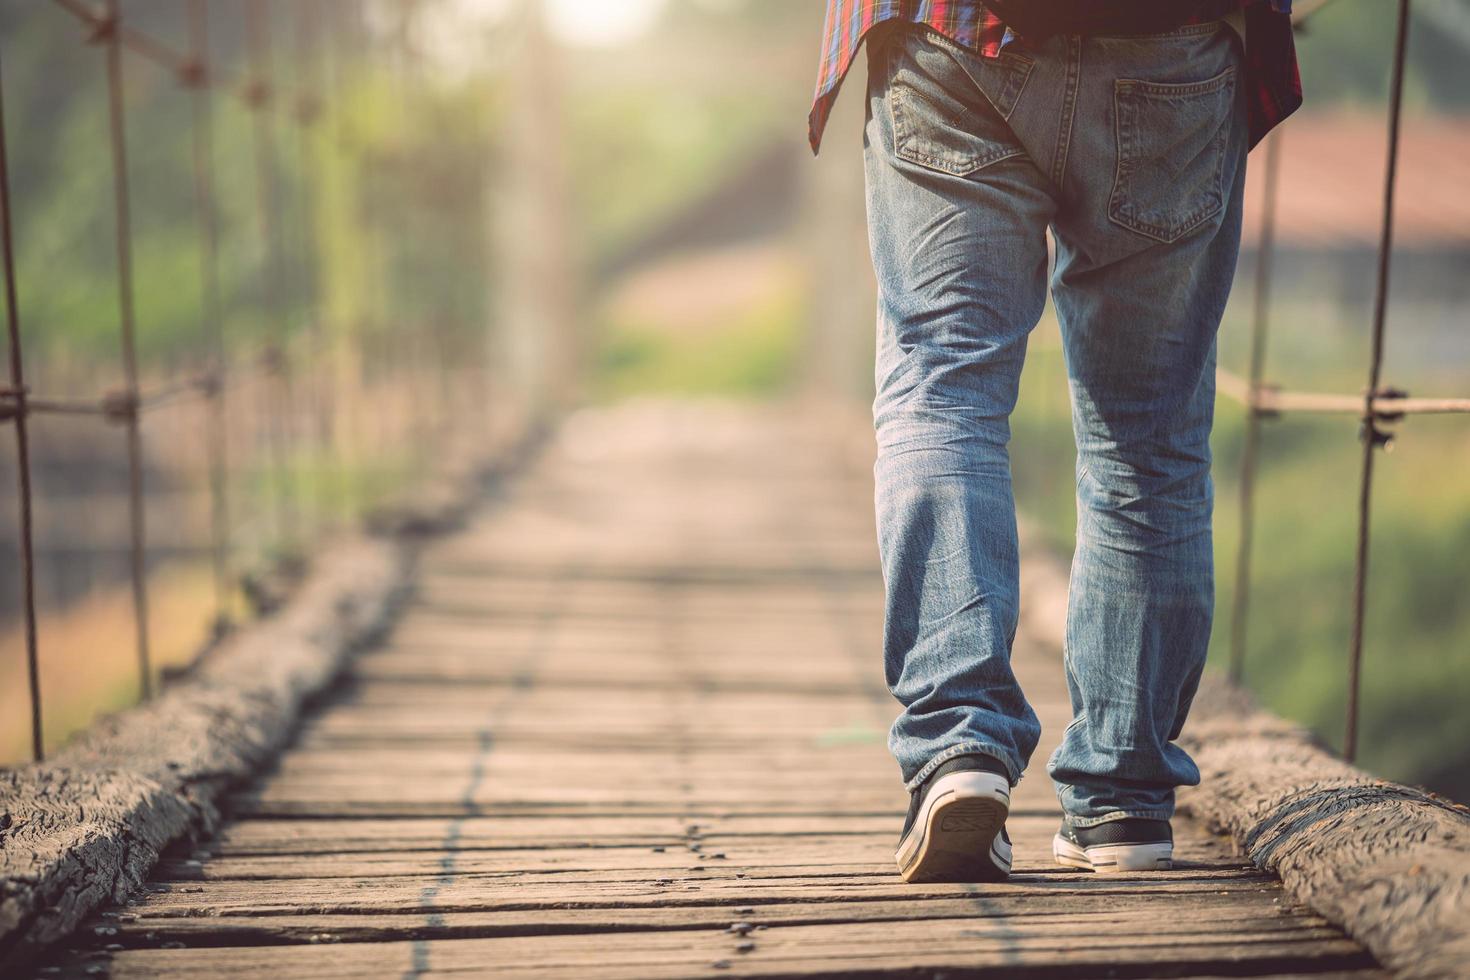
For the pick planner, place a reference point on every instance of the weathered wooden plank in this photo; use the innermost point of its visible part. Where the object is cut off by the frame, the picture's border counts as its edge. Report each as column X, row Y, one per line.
column 561, row 675
column 567, row 666
column 867, row 852
column 630, row 669
column 253, row 808
column 1390, row 863
column 247, row 837
column 406, row 681
column 745, row 762
column 722, row 834
column 504, row 783
column 1077, row 910
column 574, row 731
column 450, row 890
column 770, row 731
column 717, row 580
column 1018, row 947
column 86, row 826
column 871, row 857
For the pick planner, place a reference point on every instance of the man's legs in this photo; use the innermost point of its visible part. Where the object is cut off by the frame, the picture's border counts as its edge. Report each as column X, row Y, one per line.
column 1133, row 149
column 957, row 217
column 1147, row 243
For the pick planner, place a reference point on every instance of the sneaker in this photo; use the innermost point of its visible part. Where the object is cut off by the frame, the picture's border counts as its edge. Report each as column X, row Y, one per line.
column 1130, row 844
column 955, row 829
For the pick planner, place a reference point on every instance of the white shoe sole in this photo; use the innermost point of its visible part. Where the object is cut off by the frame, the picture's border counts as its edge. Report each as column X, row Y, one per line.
column 956, row 836
column 1113, row 858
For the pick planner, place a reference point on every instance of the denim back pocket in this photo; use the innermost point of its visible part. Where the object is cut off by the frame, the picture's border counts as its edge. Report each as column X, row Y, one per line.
column 1172, row 139
column 949, row 116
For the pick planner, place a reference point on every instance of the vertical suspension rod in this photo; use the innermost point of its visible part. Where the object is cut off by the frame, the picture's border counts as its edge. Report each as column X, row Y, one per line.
column 1260, row 321
column 1372, row 437
column 22, row 449
column 204, row 203
column 117, row 128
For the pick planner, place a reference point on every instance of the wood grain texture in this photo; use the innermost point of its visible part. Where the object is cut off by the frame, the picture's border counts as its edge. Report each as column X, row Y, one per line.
column 87, row 826
column 1389, row 863
column 632, row 723
column 961, row 947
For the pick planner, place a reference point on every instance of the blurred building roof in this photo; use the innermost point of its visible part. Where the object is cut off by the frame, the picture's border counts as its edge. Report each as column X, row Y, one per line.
column 1332, row 170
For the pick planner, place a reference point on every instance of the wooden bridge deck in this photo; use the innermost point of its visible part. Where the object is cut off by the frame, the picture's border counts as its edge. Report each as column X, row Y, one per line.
column 632, row 725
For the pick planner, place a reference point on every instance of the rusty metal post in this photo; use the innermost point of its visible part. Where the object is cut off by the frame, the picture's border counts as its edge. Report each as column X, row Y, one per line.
column 1239, row 620
column 1372, row 437
column 204, row 203
column 128, row 406
column 16, row 409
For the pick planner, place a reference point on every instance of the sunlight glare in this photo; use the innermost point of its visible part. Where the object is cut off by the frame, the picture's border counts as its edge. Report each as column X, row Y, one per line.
column 600, row 23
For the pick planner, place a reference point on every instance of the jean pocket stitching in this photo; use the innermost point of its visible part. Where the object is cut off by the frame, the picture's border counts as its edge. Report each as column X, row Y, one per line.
column 1020, row 73
column 957, row 165
column 905, row 132
column 1213, row 202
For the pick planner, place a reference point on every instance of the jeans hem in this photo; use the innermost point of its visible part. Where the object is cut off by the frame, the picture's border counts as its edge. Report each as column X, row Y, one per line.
column 964, row 748
column 1119, row 815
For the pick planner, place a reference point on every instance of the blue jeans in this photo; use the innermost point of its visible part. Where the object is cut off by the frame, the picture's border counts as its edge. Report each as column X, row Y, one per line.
column 1132, row 151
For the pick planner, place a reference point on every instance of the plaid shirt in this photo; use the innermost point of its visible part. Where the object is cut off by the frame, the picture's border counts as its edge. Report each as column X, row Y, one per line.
column 1273, row 86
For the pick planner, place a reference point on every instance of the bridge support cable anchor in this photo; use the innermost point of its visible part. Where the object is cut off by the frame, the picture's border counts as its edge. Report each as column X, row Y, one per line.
column 1373, row 437
column 1260, row 322
column 13, row 410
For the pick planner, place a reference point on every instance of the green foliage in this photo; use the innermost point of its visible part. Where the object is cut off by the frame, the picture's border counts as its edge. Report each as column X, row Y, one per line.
column 753, row 352
column 1347, row 47
column 1416, row 675
column 382, row 154
column 659, row 147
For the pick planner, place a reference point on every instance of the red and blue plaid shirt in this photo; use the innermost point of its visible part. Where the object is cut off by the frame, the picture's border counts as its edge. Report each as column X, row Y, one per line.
column 1273, row 85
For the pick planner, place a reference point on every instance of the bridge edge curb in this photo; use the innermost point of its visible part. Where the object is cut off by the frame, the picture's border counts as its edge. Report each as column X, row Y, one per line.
column 1389, row 864
column 88, row 825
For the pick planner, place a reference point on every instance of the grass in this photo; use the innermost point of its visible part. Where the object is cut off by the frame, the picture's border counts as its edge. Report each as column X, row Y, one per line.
column 749, row 352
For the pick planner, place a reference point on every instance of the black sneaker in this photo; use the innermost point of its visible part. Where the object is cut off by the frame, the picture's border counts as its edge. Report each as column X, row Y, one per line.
column 1130, row 844
column 955, row 829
